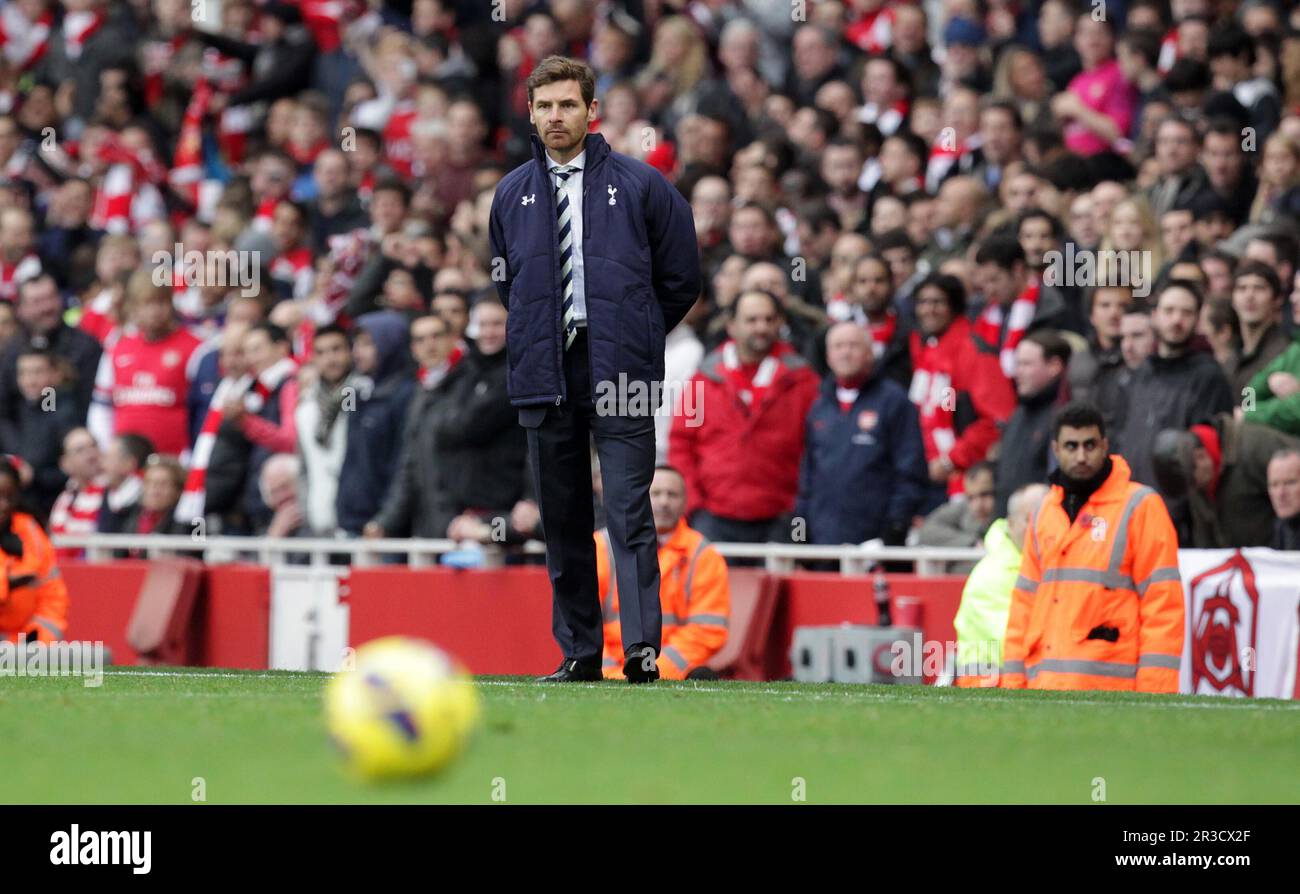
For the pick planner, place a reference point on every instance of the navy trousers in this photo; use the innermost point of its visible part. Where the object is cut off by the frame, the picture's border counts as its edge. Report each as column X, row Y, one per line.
column 559, row 439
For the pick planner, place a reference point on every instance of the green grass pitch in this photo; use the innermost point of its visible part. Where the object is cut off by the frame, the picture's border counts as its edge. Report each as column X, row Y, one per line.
column 146, row 735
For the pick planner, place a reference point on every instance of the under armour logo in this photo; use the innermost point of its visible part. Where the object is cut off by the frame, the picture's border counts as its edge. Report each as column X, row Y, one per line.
column 612, row 190
column 529, row 200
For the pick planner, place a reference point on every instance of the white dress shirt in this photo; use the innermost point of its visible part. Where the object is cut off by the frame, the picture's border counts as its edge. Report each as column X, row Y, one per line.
column 573, row 188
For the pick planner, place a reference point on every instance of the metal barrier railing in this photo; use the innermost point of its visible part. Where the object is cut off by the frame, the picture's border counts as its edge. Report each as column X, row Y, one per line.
column 424, row 553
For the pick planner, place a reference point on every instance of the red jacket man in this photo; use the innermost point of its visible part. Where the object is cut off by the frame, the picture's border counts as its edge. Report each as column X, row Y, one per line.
column 960, row 392
column 738, row 435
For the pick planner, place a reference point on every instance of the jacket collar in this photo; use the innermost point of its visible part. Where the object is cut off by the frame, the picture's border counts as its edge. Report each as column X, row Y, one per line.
column 1112, row 489
column 595, row 146
column 678, row 539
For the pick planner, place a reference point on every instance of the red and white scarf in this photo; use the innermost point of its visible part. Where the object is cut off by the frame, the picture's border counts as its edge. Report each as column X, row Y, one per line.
column 76, row 511
column 187, row 163
column 752, row 390
column 255, row 393
column 431, row 376
column 79, row 27
column 988, row 328
column 23, row 42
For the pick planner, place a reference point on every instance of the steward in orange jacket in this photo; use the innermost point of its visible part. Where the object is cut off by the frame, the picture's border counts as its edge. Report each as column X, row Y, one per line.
column 693, row 594
column 33, row 597
column 1099, row 600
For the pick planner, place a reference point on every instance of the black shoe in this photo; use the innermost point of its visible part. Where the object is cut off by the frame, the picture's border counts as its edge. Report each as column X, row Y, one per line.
column 637, row 659
column 570, row 671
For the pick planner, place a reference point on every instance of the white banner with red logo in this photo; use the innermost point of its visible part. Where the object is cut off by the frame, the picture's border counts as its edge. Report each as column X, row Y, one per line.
column 1243, row 622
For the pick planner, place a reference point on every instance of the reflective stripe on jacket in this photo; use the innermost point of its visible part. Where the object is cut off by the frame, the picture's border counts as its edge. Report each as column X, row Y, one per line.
column 33, row 596
column 1098, row 603
column 693, row 594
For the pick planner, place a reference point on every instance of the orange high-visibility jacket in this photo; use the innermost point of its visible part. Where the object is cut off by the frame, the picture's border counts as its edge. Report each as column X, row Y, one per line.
column 33, row 596
column 1099, row 603
column 693, row 595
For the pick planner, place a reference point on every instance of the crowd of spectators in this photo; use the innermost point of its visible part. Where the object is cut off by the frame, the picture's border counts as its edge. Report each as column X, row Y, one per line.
column 924, row 227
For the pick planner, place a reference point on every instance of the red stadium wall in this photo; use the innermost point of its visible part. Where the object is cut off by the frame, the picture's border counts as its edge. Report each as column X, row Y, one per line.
column 497, row 622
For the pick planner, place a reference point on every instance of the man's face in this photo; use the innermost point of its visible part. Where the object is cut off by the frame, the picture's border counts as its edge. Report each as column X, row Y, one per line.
column 35, row 374
column 1001, row 139
column 1022, row 192
column 39, row 306
column 491, row 327
column 1175, row 148
column 879, row 82
column 840, row 169
column 429, row 342
column 15, row 234
column 159, row 492
column 1108, row 306
column 1136, row 339
column 80, row 458
column 1174, row 319
column 848, row 353
column 387, row 210
column 1000, row 286
column 1253, row 300
column 749, row 232
column 980, row 495
column 667, row 499
column 756, row 324
column 710, row 202
column 897, row 164
column 1176, row 229
column 1218, row 277
column 560, row 116
column 452, row 309
column 933, row 313
column 1080, row 452
column 331, row 173
column 365, row 356
column 1222, row 158
column 119, row 463
column 1284, row 486
column 332, row 357
column 872, row 286
column 1034, row 371
column 260, row 353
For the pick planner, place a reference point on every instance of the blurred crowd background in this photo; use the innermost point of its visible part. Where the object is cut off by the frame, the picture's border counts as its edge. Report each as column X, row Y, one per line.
column 924, row 227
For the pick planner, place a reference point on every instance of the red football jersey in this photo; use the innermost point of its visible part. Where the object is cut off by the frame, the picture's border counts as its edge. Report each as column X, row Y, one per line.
column 146, row 383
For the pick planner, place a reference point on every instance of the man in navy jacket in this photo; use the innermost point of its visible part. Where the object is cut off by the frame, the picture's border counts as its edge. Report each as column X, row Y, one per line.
column 864, row 472
column 595, row 257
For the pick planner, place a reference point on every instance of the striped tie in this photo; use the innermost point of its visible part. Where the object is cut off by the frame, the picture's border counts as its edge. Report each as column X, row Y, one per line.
column 565, row 214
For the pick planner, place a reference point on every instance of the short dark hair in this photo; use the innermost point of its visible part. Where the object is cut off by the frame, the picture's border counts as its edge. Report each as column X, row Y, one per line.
column 392, row 184
column 892, row 239
column 332, row 329
column 1230, row 40
column 1187, row 286
column 1219, row 312
column 1058, row 229
column 735, row 305
column 1005, row 251
column 32, row 350
column 1078, row 414
column 554, row 69
column 275, row 333
column 1263, row 271
column 1052, row 344
column 1146, row 43
column 137, row 446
